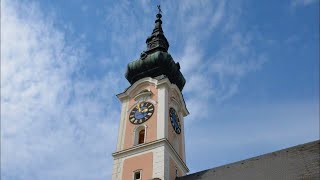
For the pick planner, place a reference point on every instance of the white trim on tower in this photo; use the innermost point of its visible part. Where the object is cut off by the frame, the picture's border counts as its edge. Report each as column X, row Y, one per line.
column 122, row 126
column 162, row 113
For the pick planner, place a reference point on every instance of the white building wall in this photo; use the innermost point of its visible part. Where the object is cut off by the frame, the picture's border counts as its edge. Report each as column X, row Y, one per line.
column 117, row 169
column 158, row 163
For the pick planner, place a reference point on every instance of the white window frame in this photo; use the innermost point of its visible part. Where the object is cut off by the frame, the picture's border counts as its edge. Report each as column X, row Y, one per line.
column 134, row 173
column 136, row 134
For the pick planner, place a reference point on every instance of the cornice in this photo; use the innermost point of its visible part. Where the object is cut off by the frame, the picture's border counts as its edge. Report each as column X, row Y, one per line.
column 127, row 92
column 150, row 146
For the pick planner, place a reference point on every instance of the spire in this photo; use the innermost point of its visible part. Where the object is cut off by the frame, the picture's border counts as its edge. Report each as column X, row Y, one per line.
column 156, row 60
column 157, row 41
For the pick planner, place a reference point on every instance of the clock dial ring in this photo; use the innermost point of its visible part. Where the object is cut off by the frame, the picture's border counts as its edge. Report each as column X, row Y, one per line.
column 175, row 121
column 141, row 112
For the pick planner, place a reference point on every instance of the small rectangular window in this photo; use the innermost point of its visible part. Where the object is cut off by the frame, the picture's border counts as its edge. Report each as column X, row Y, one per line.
column 137, row 175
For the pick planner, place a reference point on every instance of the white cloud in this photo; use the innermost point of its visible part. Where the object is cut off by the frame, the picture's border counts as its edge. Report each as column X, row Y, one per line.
column 55, row 124
column 127, row 30
column 295, row 3
column 214, row 75
column 84, row 8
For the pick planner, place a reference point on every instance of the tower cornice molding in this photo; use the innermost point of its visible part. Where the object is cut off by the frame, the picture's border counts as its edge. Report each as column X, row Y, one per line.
column 128, row 92
column 141, row 148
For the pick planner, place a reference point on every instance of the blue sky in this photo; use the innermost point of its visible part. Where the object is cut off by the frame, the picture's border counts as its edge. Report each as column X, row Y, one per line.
column 252, row 71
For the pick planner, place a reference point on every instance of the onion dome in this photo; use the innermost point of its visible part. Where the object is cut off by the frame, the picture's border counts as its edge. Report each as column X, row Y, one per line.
column 156, row 60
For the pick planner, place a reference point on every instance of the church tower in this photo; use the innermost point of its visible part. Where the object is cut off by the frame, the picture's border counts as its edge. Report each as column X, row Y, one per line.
column 151, row 142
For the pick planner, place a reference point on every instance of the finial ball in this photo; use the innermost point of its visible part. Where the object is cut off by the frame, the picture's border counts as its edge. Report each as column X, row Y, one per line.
column 159, row 16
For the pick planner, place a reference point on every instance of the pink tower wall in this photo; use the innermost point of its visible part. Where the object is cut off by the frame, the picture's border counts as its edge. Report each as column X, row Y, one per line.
column 143, row 162
column 151, row 133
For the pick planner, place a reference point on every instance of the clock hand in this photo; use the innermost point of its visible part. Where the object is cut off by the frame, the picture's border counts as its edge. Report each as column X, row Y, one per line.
column 139, row 107
column 145, row 110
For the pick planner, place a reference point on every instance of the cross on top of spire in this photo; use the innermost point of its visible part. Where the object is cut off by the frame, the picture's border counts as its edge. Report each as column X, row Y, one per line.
column 159, row 8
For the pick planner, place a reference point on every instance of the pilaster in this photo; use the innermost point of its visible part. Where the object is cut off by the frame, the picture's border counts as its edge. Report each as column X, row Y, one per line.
column 122, row 126
column 162, row 116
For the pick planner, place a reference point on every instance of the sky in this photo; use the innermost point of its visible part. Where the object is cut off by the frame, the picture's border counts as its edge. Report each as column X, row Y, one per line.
column 252, row 72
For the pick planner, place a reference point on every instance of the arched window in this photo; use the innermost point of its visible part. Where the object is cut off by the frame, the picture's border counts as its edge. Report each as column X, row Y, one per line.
column 141, row 136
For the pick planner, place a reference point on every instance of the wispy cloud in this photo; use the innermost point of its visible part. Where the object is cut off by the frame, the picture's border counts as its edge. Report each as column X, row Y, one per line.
column 127, row 30
column 296, row 3
column 52, row 118
column 214, row 73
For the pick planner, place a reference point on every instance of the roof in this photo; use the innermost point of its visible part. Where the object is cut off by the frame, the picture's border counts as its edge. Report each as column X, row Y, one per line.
column 155, row 64
column 156, row 60
column 298, row 162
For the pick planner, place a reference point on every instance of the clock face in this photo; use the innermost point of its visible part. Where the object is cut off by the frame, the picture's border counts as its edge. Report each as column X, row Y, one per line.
column 175, row 122
column 141, row 112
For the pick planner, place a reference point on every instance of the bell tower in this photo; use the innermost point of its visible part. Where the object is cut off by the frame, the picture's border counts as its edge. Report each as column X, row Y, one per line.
column 151, row 142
